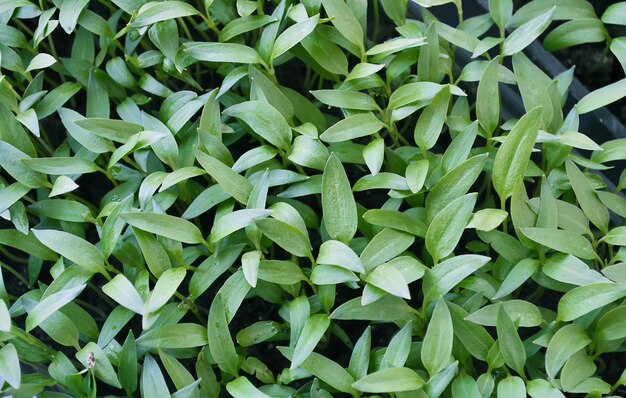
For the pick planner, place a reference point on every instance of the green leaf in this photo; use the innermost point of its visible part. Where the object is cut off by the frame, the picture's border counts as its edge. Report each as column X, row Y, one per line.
column 614, row 14
column 344, row 21
column 389, row 279
column 73, row 248
column 416, row 173
column 437, row 344
column 286, row 236
column 61, row 165
column 566, row 342
column 231, row 222
column 114, row 130
column 10, row 369
column 488, row 219
column 454, row 184
column 242, row 388
column 313, row 331
column 587, row 198
column 430, row 122
column 11, row 162
column 386, row 245
column 511, row 387
column 43, row 60
column 326, row 370
column 446, row 229
column 153, row 383
column 522, row 312
column 511, row 345
column 355, row 126
column 513, row 155
column 618, row 48
column 390, row 380
column 573, row 33
column 527, row 33
column 69, row 13
column 540, row 388
column 394, row 219
column 220, row 341
column 179, row 335
column 50, row 305
column 127, row 364
column 501, row 11
column 337, row 253
column 616, row 236
column 338, row 205
column 164, row 289
column 395, row 45
column 447, row 274
column 279, row 271
column 612, row 325
column 569, row 269
column 236, row 185
column 388, row 309
column 346, row 99
column 584, row 299
column 264, row 120
column 165, row 225
column 121, row 290
column 11, row 194
column 223, row 52
column 561, row 241
column 488, row 98
column 360, row 358
column 293, row 35
column 476, row 340
column 154, row 12
column 602, row 97
column 517, row 276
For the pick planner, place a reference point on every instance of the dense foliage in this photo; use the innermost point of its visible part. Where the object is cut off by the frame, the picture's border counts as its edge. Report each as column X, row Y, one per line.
column 305, row 199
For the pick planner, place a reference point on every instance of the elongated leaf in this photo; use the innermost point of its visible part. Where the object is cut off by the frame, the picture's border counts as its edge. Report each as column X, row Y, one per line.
column 428, row 127
column 51, row 304
column 390, row 380
column 121, row 290
column 326, row 370
column 447, row 274
column 293, row 35
column 220, row 342
column 445, row 231
column 155, row 12
column 592, row 206
column 602, row 97
column 338, row 205
column 514, row 154
column 488, row 99
column 264, row 120
column 355, row 126
column 73, row 248
column 313, row 331
column 527, row 33
column 166, row 286
column 584, row 299
column 233, row 183
column 344, row 20
column 165, row 225
column 562, row 241
column 437, row 345
column 10, row 366
column 511, row 345
column 565, row 343
column 242, row 388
